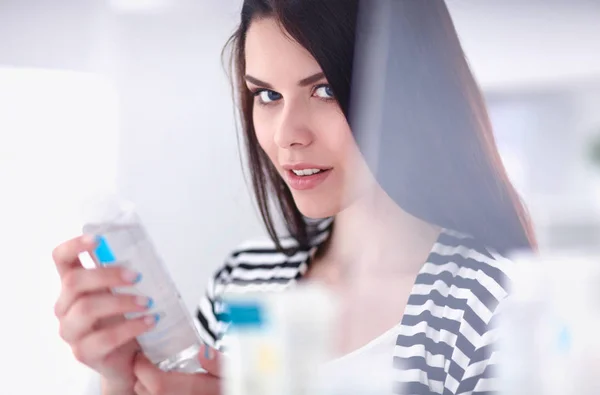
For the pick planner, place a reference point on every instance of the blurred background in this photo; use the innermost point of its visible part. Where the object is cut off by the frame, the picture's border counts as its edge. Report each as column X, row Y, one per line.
column 132, row 94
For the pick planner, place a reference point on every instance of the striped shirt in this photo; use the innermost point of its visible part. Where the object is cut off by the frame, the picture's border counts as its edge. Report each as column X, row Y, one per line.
column 444, row 343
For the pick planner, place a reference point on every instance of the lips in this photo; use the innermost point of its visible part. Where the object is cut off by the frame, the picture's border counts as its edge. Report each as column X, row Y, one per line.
column 305, row 166
column 307, row 172
column 303, row 179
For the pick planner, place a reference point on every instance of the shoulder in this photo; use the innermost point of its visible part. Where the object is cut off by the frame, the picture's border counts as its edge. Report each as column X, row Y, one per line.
column 258, row 263
column 458, row 296
column 470, row 283
column 470, row 275
column 467, row 257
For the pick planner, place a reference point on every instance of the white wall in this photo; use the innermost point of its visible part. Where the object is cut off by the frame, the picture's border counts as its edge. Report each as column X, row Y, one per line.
column 58, row 140
column 516, row 44
column 544, row 136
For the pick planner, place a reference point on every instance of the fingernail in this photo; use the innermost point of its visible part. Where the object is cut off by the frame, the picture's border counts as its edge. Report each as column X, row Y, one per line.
column 207, row 352
column 131, row 276
column 152, row 319
column 88, row 239
column 144, row 301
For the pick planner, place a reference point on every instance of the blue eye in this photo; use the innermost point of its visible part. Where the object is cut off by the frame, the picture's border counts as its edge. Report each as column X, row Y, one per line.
column 325, row 92
column 267, row 96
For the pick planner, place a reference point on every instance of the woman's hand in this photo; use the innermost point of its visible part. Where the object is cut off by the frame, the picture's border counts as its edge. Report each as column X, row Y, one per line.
column 153, row 381
column 91, row 317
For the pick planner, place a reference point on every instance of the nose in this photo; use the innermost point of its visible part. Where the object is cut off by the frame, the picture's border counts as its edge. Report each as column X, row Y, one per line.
column 293, row 130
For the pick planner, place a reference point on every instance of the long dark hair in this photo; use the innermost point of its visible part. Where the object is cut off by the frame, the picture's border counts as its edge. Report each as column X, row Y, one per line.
column 447, row 167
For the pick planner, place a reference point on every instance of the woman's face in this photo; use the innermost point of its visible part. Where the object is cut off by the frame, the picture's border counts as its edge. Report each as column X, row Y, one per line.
column 299, row 124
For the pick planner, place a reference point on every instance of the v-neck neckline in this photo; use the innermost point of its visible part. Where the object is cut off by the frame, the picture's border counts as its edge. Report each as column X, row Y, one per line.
column 313, row 250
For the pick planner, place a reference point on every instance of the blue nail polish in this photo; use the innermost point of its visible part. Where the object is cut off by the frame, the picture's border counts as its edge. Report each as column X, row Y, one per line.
column 150, row 303
column 138, row 278
column 103, row 252
column 207, row 352
column 157, row 317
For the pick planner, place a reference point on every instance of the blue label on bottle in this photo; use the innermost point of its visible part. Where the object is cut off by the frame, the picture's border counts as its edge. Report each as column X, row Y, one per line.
column 245, row 314
column 103, row 252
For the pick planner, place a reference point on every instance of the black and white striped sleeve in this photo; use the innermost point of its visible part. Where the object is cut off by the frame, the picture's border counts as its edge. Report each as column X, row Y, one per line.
column 255, row 265
column 481, row 374
column 208, row 313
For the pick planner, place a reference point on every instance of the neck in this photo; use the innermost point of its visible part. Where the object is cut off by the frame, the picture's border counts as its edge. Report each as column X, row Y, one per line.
column 374, row 236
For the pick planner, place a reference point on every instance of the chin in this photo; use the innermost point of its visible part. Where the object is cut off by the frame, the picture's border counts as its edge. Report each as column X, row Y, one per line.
column 316, row 208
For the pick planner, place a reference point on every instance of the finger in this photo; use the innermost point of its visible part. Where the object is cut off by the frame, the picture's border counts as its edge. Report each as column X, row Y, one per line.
column 66, row 255
column 88, row 310
column 148, row 375
column 156, row 382
column 99, row 344
column 79, row 281
column 211, row 360
column 139, row 389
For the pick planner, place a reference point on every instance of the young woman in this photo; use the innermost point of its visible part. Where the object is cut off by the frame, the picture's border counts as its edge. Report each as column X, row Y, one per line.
column 429, row 254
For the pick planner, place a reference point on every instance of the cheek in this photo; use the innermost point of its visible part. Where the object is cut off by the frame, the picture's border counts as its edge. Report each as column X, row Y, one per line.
column 336, row 136
column 265, row 131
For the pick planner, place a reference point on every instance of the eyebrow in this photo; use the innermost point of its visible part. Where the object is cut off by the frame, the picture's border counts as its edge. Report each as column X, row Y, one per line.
column 303, row 82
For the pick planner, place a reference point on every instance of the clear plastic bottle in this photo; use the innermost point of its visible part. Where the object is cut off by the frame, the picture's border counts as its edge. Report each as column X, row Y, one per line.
column 173, row 344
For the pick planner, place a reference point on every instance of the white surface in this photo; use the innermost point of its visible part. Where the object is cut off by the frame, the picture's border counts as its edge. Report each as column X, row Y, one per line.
column 58, row 134
column 139, row 6
column 516, row 44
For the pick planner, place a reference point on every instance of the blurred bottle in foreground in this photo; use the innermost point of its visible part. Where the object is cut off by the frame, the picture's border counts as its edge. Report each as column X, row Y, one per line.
column 277, row 341
column 286, row 343
column 550, row 325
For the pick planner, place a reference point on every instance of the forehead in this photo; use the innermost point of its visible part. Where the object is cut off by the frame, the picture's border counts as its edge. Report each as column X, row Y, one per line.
column 272, row 53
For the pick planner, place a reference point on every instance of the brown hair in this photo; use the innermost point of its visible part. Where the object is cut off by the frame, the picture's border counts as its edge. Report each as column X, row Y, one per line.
column 449, row 170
